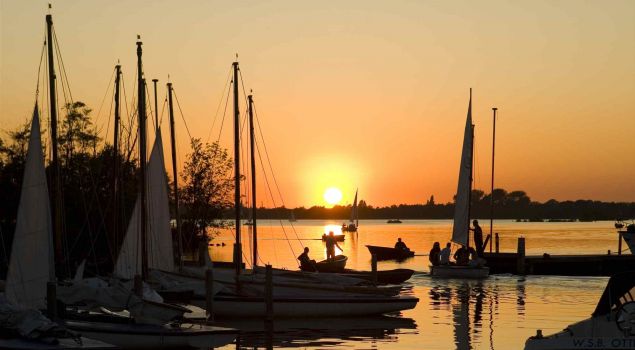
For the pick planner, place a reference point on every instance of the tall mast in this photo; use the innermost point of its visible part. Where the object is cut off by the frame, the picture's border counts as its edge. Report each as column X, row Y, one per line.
column 56, row 200
column 253, row 178
column 237, row 204
column 115, row 177
column 141, row 111
column 156, row 105
column 469, row 194
column 491, row 196
column 175, row 175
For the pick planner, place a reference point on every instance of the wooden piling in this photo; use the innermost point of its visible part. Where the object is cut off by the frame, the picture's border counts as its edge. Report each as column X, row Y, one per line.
column 51, row 300
column 619, row 244
column 269, row 293
column 497, row 242
column 373, row 264
column 209, row 294
column 520, row 262
column 138, row 286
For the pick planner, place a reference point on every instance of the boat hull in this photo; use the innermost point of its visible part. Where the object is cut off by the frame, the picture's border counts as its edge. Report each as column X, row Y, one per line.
column 245, row 307
column 66, row 343
column 388, row 253
column 451, row 271
column 335, row 265
column 575, row 343
column 141, row 336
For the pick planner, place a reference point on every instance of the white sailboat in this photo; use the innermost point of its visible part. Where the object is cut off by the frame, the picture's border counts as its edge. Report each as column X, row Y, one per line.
column 611, row 326
column 31, row 265
column 461, row 227
column 353, row 222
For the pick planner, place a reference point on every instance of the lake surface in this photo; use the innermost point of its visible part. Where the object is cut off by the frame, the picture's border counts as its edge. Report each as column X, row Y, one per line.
column 500, row 312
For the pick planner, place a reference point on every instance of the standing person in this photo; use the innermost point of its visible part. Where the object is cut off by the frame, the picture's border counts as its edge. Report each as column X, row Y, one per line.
column 435, row 254
column 478, row 238
column 331, row 243
column 444, row 255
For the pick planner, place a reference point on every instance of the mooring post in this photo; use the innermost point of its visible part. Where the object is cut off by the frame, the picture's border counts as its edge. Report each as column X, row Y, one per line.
column 497, row 242
column 209, row 293
column 373, row 266
column 269, row 293
column 520, row 264
column 51, row 300
column 619, row 244
column 138, row 286
column 202, row 250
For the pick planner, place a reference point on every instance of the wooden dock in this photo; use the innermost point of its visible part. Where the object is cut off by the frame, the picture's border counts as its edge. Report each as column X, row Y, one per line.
column 564, row 265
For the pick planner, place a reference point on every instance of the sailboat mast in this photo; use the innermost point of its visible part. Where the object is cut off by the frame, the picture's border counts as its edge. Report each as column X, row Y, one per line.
column 175, row 175
column 56, row 199
column 115, row 171
column 469, row 193
column 237, row 203
column 141, row 111
column 156, row 105
column 491, row 196
column 253, row 178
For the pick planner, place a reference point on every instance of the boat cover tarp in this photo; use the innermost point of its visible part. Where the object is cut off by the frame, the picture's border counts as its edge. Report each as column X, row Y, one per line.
column 619, row 290
column 29, row 324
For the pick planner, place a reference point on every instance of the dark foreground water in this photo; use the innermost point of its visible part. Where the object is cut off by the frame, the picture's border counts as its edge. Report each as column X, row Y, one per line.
column 500, row 312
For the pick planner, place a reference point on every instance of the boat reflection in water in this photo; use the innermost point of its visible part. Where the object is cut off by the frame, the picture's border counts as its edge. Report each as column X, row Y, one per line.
column 323, row 332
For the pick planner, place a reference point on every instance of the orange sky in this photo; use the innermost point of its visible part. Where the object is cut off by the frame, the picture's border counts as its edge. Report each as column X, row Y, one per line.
column 369, row 94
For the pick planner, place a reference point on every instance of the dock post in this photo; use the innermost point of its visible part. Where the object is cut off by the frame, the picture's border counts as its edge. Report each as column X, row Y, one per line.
column 520, row 263
column 373, row 266
column 138, row 286
column 51, row 300
column 619, row 244
column 269, row 293
column 497, row 242
column 209, row 293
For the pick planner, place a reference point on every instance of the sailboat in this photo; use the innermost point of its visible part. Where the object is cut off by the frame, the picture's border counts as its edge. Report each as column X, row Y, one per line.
column 31, row 268
column 461, row 227
column 353, row 222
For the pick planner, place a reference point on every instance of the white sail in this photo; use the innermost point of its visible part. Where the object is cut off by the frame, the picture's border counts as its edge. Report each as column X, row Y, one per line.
column 159, row 238
column 462, row 204
column 31, row 264
column 354, row 216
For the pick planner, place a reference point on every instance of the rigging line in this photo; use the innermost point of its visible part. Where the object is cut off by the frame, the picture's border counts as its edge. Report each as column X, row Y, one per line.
column 181, row 111
column 104, row 100
column 220, row 101
column 220, row 132
column 271, row 167
column 149, row 106
column 39, row 68
column 62, row 66
column 274, row 201
column 112, row 102
column 165, row 101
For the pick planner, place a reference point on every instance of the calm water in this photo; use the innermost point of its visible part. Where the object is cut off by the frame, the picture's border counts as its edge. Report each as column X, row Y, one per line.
column 497, row 313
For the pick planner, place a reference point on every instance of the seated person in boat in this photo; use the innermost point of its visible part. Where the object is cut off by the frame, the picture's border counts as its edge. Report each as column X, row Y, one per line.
column 444, row 255
column 306, row 263
column 401, row 245
column 462, row 256
column 434, row 254
column 331, row 243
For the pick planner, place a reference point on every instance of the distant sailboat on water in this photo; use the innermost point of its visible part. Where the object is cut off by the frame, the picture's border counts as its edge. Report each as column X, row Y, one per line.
column 353, row 222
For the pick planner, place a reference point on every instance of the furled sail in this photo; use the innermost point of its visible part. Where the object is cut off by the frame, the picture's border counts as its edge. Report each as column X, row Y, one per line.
column 159, row 237
column 354, row 216
column 462, row 204
column 31, row 264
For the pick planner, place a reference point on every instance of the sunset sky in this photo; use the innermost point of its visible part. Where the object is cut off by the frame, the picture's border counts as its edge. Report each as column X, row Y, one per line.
column 367, row 94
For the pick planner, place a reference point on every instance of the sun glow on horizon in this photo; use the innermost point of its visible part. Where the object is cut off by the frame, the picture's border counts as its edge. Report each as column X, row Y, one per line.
column 332, row 195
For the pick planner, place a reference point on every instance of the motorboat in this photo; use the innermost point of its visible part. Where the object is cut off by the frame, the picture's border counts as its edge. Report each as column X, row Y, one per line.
column 611, row 325
column 393, row 221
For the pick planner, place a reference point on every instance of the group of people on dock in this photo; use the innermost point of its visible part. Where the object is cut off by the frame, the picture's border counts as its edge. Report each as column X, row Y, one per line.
column 464, row 256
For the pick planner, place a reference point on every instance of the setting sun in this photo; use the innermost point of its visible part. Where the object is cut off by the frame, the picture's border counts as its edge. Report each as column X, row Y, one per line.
column 332, row 195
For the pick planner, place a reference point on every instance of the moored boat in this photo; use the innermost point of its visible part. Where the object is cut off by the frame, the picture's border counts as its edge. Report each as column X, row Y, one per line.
column 393, row 221
column 389, row 253
column 338, row 238
column 611, row 325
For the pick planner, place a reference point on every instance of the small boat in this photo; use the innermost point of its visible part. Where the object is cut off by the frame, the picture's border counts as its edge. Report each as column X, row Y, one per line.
column 338, row 238
column 388, row 253
column 335, row 265
column 453, row 271
column 611, row 325
column 353, row 222
column 393, row 221
column 394, row 276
